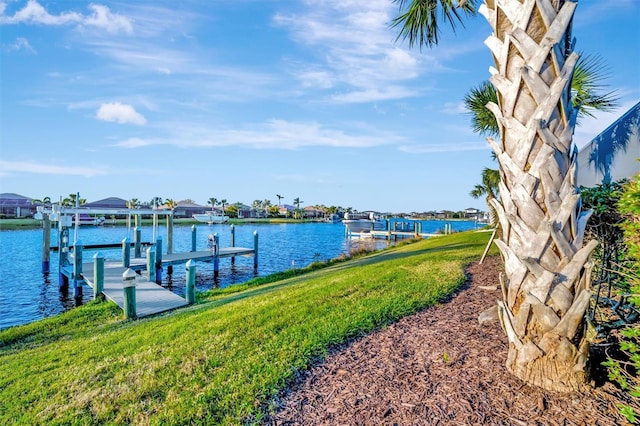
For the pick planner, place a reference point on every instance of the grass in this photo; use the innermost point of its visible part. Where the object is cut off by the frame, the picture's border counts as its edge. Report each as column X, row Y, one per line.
column 223, row 360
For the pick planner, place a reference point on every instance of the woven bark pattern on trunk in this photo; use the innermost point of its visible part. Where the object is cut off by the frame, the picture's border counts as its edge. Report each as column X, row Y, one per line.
column 546, row 284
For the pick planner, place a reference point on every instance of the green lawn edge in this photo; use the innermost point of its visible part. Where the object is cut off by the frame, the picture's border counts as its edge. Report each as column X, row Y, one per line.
column 224, row 359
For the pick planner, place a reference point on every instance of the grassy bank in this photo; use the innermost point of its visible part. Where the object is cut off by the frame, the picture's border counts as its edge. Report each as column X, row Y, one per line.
column 222, row 360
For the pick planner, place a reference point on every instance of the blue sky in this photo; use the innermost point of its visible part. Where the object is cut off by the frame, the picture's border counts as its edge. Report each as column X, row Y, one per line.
column 245, row 99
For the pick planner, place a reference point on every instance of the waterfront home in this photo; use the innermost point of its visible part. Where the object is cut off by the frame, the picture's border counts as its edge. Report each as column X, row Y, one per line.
column 16, row 206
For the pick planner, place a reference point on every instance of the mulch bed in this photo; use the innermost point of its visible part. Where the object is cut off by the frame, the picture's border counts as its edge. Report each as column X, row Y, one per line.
column 438, row 367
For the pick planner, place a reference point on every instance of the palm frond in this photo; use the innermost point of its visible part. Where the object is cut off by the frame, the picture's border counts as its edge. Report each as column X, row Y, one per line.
column 587, row 87
column 482, row 119
column 418, row 19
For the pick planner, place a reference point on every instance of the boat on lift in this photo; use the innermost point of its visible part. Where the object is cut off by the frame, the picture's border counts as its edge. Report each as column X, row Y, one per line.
column 211, row 217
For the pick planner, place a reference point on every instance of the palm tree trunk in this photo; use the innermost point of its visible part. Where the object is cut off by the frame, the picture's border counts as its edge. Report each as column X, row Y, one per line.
column 546, row 284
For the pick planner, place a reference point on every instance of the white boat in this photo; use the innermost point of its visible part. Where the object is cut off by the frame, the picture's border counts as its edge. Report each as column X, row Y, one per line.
column 85, row 219
column 211, row 217
column 361, row 223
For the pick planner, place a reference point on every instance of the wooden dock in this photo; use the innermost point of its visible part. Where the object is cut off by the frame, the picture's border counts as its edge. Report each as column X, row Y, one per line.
column 151, row 298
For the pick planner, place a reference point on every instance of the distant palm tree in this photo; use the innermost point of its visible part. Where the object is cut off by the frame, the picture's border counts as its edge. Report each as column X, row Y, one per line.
column 489, row 189
column 297, row 202
column 280, row 197
column 223, row 203
column 171, row 204
column 156, row 201
column 71, row 200
column 45, row 201
column 212, row 202
column 133, row 203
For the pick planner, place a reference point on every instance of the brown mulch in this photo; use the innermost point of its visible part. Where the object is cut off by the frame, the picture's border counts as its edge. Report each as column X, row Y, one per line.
column 437, row 367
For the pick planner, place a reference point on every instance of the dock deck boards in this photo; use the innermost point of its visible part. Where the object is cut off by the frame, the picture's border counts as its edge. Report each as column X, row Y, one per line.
column 151, row 298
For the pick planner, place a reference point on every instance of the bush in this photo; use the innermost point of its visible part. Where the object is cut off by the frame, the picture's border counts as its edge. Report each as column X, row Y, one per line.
column 624, row 371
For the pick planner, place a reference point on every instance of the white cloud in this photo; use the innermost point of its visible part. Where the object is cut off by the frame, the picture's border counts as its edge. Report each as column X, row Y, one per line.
column 120, row 113
column 133, row 143
column 356, row 49
column 48, row 169
column 101, row 17
column 273, row 134
column 20, row 43
column 34, row 13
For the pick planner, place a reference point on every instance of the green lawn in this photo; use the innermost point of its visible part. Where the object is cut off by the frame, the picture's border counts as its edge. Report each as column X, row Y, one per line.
column 222, row 360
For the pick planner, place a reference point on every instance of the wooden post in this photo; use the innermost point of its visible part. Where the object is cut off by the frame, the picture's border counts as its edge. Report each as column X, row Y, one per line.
column 136, row 220
column 151, row 264
column 126, row 253
column 193, row 238
column 46, row 242
column 98, row 275
column 255, row 249
column 129, row 288
column 159, row 259
column 191, row 282
column 216, row 258
column 137, row 240
column 169, row 234
column 63, row 253
column 77, row 269
column 233, row 242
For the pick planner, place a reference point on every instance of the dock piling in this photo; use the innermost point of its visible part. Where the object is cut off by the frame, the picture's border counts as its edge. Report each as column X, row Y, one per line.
column 77, row 269
column 193, row 238
column 158, row 259
column 233, row 235
column 191, row 282
column 126, row 252
column 255, row 249
column 169, row 234
column 129, row 288
column 137, row 242
column 216, row 258
column 46, row 242
column 98, row 275
column 151, row 264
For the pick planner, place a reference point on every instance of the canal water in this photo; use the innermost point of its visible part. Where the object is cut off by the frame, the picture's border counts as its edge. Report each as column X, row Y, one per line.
column 27, row 294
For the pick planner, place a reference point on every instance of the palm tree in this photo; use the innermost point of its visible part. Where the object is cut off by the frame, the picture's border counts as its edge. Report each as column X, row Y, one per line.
column 223, row 203
column 297, row 202
column 586, row 96
column 489, row 189
column 133, row 203
column 213, row 202
column 72, row 200
column 45, row 201
column 170, row 203
column 545, row 285
column 156, row 201
column 280, row 197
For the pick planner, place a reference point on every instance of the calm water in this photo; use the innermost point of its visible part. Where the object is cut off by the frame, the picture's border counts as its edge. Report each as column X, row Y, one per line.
column 26, row 294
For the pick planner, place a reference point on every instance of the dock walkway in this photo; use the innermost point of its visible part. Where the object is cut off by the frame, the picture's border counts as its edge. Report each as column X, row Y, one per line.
column 151, row 298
